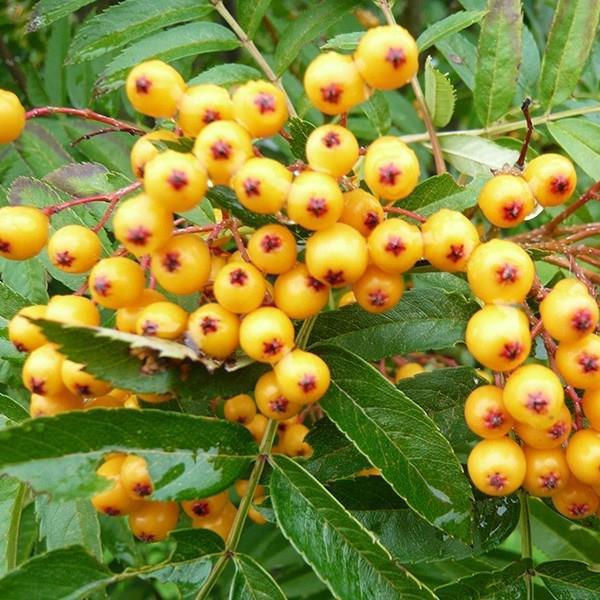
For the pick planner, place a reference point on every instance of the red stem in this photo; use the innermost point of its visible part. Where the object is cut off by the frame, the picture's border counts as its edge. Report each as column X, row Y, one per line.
column 407, row 213
column 577, row 403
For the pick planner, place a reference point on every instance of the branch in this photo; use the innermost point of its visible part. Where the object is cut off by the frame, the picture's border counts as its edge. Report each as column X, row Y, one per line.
column 523, row 154
column 89, row 136
column 407, row 213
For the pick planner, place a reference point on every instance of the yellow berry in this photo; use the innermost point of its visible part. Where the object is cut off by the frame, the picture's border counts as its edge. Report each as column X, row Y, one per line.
column 506, row 200
column 552, row 179
column 12, row 116
column 23, row 232
column 200, row 105
column 332, row 149
column 260, row 107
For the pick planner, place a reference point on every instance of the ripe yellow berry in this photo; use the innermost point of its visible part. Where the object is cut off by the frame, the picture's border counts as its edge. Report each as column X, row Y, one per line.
column 332, row 149
column 378, row 291
column 361, row 211
column 135, row 477
column 23, row 232
column 576, row 500
column 113, row 501
column 303, row 377
column 74, row 249
column 395, row 245
column 257, row 427
column 116, row 282
column 165, row 320
column 260, row 107
column 547, row 471
column 293, row 441
column 23, row 333
column 270, row 400
column 583, row 456
column 347, row 299
column 272, row 249
column 552, row 179
column 579, row 361
column 42, row 371
column 506, row 200
column 221, row 523
column 12, row 116
column 298, row 294
column 73, row 310
column 239, row 287
column 408, row 370
column 266, row 334
column 206, row 508
column 550, row 437
column 214, row 330
column 200, row 105
column 81, row 383
column 153, row 521
column 128, row 315
column 239, row 409
column 143, row 151
column 591, row 407
column 485, row 413
column 48, row 406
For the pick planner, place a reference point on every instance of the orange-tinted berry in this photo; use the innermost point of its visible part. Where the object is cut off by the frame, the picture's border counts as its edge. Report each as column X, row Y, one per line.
column 500, row 271
column 333, row 84
column 391, row 168
column 23, row 232
column 506, row 200
column 239, row 409
column 591, row 407
column 200, row 105
column 260, row 107
column 583, row 456
column 23, row 333
column 293, row 441
column 206, row 508
column 128, row 315
column 552, row 179
column 303, row 377
column 241, row 489
column 113, row 501
column 42, row 371
column 223, row 147
column 266, row 334
column 485, row 413
column 106, row 401
column 182, row 265
column 142, row 225
column 165, row 320
column 221, row 524
column 81, row 383
column 136, row 478
column 262, row 185
column 395, row 245
column 154, row 88
column 332, row 149
column 298, row 294
column 315, row 201
column 155, row 398
column 449, row 239
column 576, row 500
column 74, row 249
column 257, row 427
column 378, row 291
column 346, row 299
column 214, row 330
column 547, row 471
column 497, row 467
column 256, row 516
column 272, row 249
column 12, row 115
column 153, row 521
column 73, row 310
column 337, row 255
column 48, row 406
column 239, row 287
column 408, row 370
column 579, row 361
column 116, row 282
column 270, row 400
column 143, row 151
column 549, row 437
column 361, row 211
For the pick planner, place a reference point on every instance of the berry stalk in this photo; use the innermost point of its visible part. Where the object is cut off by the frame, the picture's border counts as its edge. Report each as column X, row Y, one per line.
column 526, row 545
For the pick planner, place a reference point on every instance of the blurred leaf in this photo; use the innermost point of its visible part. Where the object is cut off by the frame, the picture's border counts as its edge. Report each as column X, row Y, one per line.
column 569, row 43
column 252, row 582
column 188, row 457
column 344, row 555
column 568, row 579
column 227, row 75
column 54, row 71
column 377, row 110
column 498, row 58
column 529, row 72
column 46, row 12
column 40, row 150
column 440, row 95
column 452, row 24
column 250, row 14
column 27, row 278
column 299, row 131
column 12, row 497
column 12, row 410
column 461, row 55
column 11, row 302
column 343, row 42
column 580, row 139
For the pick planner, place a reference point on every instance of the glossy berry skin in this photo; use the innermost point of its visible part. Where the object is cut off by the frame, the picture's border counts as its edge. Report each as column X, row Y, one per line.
column 298, row 294
column 547, row 471
column 200, row 105
column 182, row 265
column 113, row 501
column 73, row 310
column 239, row 287
column 214, row 330
column 362, row 211
column 24, row 335
column 497, row 467
column 223, row 147
column 48, row 406
column 549, row 437
column 116, row 282
column 239, row 409
column 569, row 312
column 506, row 200
column 42, row 371
column 576, row 500
column 315, row 201
column 142, row 225
column 500, row 271
column 391, row 168
column 552, row 179
column 377, row 291
column 23, row 232
column 81, row 383
column 165, row 320
column 272, row 249
column 135, row 477
column 408, row 370
column 591, row 407
column 337, row 256
column 260, row 107
column 498, row 337
column 154, row 89
column 143, row 151
column 293, row 441
column 579, row 361
column 387, row 57
column 333, row 84
column 332, row 149
column 12, row 115
column 127, row 316
column 485, row 413
column 449, row 239
column 74, row 249
column 533, row 394
column 266, row 334
column 583, row 456
column 257, row 427
column 262, row 185
column 206, row 508
column 153, row 521
column 221, row 524
column 303, row 377
column 395, row 245
column 271, row 402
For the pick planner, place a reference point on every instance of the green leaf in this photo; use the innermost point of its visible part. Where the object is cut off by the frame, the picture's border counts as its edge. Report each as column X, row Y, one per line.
column 569, row 579
column 343, row 554
column 580, row 139
column 46, row 12
column 11, row 302
column 299, row 131
column 54, row 71
column 227, row 75
column 498, row 58
column 529, row 73
column 448, row 26
column 461, row 55
column 12, row 497
column 175, row 43
column 425, row 319
column 12, row 410
column 27, row 278
column 250, row 14
column 344, row 42
column 131, row 20
column 401, row 440
column 306, row 28
column 252, row 582
column 28, row 533
column 189, row 457
column 440, row 95
column 569, row 44
column 377, row 110
column 40, row 150
column 80, row 179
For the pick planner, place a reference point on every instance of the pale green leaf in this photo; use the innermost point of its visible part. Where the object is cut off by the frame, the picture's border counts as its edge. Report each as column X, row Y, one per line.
column 440, row 95
column 451, row 24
